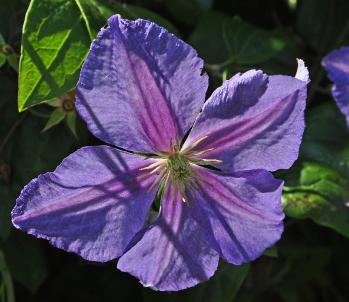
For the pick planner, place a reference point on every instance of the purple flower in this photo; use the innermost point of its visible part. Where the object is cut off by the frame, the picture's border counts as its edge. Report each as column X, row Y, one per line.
column 337, row 66
column 142, row 89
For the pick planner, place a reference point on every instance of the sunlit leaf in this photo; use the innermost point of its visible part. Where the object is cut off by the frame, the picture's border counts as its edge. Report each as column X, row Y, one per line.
column 326, row 138
column 55, row 42
column 53, row 51
column 321, row 195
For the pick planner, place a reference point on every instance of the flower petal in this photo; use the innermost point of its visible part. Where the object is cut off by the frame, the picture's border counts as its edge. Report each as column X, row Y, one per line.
column 92, row 204
column 253, row 122
column 242, row 213
column 337, row 67
column 172, row 253
column 336, row 64
column 140, row 87
column 340, row 93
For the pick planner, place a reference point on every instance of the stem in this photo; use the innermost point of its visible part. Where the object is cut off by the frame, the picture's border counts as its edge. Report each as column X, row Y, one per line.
column 10, row 294
column 11, row 131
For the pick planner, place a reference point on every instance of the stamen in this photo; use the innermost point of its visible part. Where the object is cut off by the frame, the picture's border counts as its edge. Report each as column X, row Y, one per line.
column 202, row 152
column 193, row 145
column 153, row 165
column 158, row 179
column 155, row 170
column 206, row 161
column 176, row 166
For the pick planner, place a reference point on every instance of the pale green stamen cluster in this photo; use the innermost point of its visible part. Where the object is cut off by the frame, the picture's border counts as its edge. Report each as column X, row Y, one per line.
column 176, row 167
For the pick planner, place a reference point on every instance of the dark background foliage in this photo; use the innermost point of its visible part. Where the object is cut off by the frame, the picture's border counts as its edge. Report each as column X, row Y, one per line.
column 310, row 263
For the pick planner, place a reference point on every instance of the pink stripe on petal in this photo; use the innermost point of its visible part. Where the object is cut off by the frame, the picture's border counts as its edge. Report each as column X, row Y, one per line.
column 261, row 131
column 241, row 213
column 140, row 87
column 172, row 253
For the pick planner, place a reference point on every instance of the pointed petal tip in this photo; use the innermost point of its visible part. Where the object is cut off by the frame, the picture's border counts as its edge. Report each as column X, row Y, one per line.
column 144, row 53
column 302, row 71
column 89, row 214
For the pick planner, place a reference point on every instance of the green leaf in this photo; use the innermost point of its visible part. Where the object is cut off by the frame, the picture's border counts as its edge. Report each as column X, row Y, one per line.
column 53, row 51
column 321, row 195
column 224, row 41
column 55, row 42
column 304, row 263
column 223, row 287
column 326, row 138
column 12, row 59
column 271, row 252
column 188, row 11
column 292, row 4
column 34, row 152
column 96, row 13
column 55, row 118
column 323, row 23
column 71, row 122
column 284, row 62
column 26, row 260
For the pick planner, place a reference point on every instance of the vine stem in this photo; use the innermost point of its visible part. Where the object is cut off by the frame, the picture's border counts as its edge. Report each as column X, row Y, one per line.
column 12, row 130
column 10, row 294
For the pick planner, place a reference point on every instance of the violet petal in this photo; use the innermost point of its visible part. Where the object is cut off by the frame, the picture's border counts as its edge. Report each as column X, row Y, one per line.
column 172, row 253
column 140, row 87
column 250, row 127
column 241, row 213
column 337, row 66
column 92, row 204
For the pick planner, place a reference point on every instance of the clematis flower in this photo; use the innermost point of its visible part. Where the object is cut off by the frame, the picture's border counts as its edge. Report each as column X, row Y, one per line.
column 336, row 64
column 142, row 90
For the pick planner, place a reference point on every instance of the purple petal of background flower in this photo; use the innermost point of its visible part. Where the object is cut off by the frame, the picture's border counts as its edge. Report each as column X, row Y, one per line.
column 253, row 122
column 172, row 254
column 241, row 213
column 140, row 86
column 337, row 66
column 92, row 204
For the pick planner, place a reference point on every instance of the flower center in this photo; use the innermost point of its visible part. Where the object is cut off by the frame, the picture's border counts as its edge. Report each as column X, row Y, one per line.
column 177, row 165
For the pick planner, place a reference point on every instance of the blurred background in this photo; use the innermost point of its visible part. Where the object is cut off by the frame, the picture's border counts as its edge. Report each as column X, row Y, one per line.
column 310, row 263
